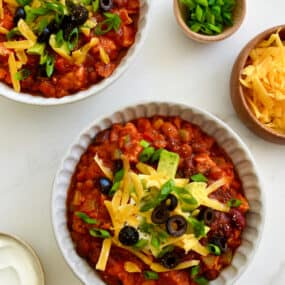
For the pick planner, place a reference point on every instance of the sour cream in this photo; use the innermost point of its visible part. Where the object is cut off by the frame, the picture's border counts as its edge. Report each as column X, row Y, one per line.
column 18, row 263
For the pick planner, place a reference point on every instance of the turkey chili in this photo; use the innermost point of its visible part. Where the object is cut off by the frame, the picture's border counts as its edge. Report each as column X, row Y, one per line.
column 55, row 48
column 156, row 201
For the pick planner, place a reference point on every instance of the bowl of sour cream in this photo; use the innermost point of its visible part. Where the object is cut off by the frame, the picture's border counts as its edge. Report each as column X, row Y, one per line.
column 19, row 264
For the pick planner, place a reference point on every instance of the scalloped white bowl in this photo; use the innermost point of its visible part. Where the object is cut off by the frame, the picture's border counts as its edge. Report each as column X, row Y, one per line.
column 213, row 126
column 8, row 92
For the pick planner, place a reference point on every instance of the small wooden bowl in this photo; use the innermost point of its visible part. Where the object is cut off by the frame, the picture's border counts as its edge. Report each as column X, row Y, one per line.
column 180, row 12
column 238, row 91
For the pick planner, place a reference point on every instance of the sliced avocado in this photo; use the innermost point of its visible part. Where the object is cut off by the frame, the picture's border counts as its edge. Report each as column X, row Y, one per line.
column 37, row 49
column 168, row 163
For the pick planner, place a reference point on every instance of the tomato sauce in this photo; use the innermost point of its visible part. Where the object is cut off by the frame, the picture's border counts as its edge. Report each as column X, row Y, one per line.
column 68, row 77
column 198, row 153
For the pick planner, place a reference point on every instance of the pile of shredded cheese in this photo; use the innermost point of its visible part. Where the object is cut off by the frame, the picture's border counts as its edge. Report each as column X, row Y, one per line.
column 264, row 80
column 125, row 207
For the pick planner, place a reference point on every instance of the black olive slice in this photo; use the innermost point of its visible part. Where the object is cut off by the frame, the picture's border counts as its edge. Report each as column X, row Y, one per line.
column 105, row 185
column 19, row 14
column 106, row 5
column 169, row 260
column 209, row 216
column 79, row 15
column 159, row 215
column 44, row 36
column 176, row 225
column 128, row 236
column 220, row 241
column 170, row 202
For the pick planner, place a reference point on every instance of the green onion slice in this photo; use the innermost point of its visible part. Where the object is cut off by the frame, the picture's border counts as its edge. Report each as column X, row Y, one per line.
column 150, row 275
column 140, row 244
column 144, row 143
column 214, row 249
column 22, row 74
column 234, row 203
column 146, row 154
column 86, row 219
column 72, row 40
column 99, row 233
column 201, row 280
column 195, row 270
column 50, row 65
column 199, row 177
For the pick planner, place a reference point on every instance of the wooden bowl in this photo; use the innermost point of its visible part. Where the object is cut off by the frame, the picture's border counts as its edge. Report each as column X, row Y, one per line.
column 180, row 12
column 238, row 91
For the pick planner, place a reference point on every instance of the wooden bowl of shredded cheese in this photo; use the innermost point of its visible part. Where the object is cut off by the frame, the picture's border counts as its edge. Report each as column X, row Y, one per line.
column 258, row 85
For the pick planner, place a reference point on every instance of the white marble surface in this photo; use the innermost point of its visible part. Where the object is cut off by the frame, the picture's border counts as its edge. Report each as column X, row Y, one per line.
column 170, row 67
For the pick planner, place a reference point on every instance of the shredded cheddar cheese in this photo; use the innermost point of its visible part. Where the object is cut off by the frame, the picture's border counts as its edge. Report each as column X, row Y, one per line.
column 264, row 80
column 104, row 254
column 1, row 10
column 22, row 57
column 200, row 191
column 105, row 170
column 79, row 56
column 3, row 31
column 18, row 45
column 131, row 267
column 13, row 70
column 104, row 56
column 26, row 31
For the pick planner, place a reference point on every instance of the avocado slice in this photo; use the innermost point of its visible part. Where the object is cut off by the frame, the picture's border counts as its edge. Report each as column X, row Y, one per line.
column 168, row 164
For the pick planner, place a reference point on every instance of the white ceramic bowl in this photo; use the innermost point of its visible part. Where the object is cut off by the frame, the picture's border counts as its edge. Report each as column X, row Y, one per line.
column 143, row 24
column 225, row 137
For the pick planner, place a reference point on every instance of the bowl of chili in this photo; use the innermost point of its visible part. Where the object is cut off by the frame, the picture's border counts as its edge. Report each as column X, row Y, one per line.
column 161, row 193
column 56, row 52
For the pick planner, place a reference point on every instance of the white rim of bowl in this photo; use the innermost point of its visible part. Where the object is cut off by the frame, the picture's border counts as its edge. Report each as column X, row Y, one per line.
column 197, row 111
column 144, row 23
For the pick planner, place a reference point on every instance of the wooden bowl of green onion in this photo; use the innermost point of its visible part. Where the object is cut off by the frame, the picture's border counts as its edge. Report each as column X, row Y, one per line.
column 209, row 21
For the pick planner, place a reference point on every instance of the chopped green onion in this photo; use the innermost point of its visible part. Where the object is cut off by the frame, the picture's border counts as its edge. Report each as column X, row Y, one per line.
column 37, row 49
column 165, row 190
column 140, row 244
column 95, row 5
column 50, row 65
column 24, row 2
column 146, row 154
column 99, row 233
column 150, row 275
column 22, row 74
column 59, row 40
column 199, row 177
column 119, row 175
column 12, row 33
column 155, row 242
column 42, row 25
column 112, row 22
column 155, row 157
column 201, row 280
column 72, row 40
column 86, row 219
column 214, row 249
column 144, row 143
column 117, row 179
column 166, row 249
column 234, row 203
column 194, row 270
column 197, row 227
